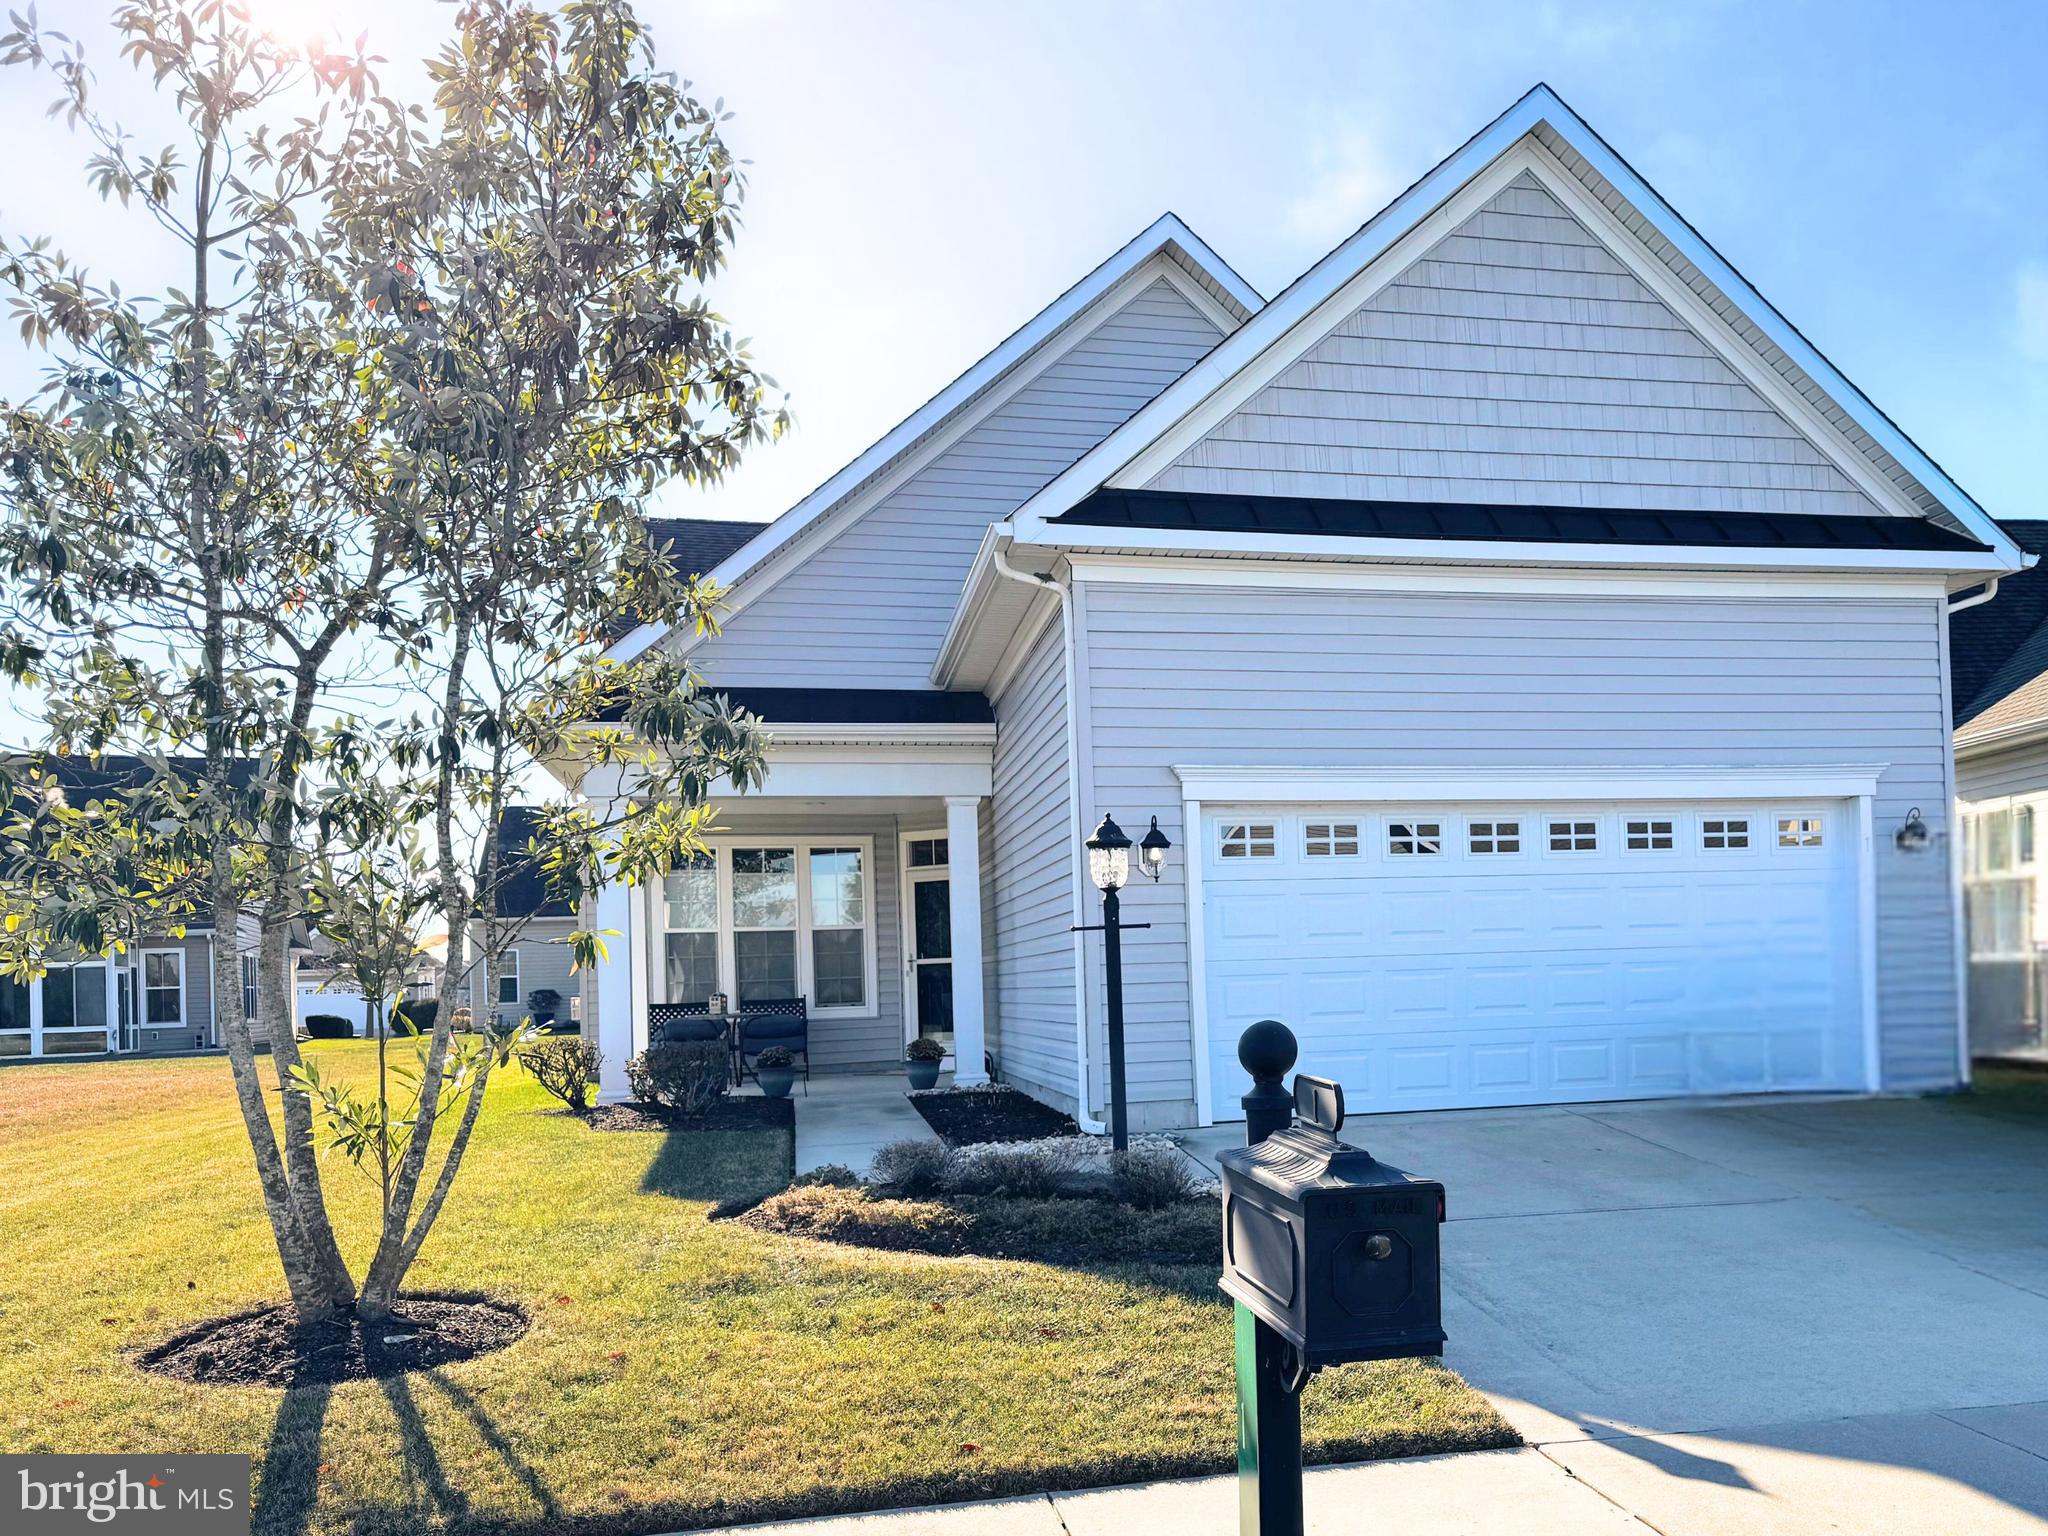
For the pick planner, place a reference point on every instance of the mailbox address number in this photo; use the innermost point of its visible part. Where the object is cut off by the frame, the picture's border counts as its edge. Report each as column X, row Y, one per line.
column 1376, row 1205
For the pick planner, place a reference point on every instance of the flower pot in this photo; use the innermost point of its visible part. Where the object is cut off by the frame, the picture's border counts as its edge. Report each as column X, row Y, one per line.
column 923, row 1074
column 774, row 1081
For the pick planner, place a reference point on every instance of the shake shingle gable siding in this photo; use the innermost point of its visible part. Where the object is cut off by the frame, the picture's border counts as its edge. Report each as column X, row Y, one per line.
column 1488, row 523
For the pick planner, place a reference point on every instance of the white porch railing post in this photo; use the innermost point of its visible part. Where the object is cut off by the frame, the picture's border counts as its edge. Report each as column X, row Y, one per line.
column 963, row 860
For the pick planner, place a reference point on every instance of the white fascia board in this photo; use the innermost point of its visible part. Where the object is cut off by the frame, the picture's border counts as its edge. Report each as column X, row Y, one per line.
column 891, row 736
column 1147, row 249
column 1418, row 218
column 2002, row 738
column 1285, row 546
column 1217, row 785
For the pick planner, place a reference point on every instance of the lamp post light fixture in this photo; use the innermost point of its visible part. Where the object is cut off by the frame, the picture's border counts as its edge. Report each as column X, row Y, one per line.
column 1109, row 868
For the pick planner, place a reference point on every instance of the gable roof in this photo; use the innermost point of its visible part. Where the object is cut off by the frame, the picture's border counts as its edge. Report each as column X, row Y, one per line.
column 1541, row 129
column 1998, row 651
column 1167, row 237
column 522, row 884
column 696, row 545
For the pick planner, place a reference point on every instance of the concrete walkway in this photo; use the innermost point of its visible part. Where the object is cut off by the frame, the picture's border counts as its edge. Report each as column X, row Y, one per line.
column 845, row 1117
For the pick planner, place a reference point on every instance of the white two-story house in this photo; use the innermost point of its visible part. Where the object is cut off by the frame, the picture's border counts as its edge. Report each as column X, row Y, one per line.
column 1534, row 648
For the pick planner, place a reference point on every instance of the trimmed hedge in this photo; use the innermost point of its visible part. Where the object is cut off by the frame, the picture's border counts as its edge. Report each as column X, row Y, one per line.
column 329, row 1026
column 415, row 1015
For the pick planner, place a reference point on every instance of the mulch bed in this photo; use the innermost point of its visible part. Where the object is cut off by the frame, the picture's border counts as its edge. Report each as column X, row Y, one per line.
column 266, row 1348
column 965, row 1117
column 732, row 1113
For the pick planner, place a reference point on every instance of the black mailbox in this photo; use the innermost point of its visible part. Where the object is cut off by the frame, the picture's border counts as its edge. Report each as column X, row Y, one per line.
column 1331, row 1248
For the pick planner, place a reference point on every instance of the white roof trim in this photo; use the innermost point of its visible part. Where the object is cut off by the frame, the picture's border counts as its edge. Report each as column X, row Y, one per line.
column 1419, row 212
column 1222, row 784
column 1159, row 238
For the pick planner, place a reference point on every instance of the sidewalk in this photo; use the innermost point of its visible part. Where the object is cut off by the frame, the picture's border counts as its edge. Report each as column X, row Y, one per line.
column 845, row 1117
column 1984, row 1471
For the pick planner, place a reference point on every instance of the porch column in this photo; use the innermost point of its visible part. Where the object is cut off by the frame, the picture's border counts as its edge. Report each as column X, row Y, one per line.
column 963, row 874
column 113, row 994
column 621, row 993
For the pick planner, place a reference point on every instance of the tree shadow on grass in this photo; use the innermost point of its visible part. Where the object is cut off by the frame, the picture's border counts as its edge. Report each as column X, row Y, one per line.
column 730, row 1169
column 288, row 1482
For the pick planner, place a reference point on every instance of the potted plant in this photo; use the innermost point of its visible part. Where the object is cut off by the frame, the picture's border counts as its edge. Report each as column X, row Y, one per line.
column 922, row 1057
column 543, row 1005
column 775, row 1070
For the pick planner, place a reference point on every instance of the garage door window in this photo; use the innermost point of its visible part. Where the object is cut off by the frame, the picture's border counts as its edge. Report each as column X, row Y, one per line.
column 1248, row 840
column 1574, row 837
column 1721, row 834
column 1648, row 836
column 1405, row 837
column 1495, row 837
column 1799, row 832
column 1330, row 839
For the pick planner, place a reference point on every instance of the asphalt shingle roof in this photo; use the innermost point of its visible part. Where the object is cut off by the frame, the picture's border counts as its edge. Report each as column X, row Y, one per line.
column 697, row 544
column 1998, row 651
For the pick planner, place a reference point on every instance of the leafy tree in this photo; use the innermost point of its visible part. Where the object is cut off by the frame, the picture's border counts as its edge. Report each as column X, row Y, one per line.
column 409, row 442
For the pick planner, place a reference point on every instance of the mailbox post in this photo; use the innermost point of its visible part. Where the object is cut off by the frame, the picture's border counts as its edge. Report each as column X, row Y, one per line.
column 1329, row 1255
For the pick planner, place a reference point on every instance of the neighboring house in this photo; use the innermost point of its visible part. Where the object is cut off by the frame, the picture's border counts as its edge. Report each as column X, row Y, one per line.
column 538, row 957
column 158, row 997
column 1532, row 645
column 2000, row 668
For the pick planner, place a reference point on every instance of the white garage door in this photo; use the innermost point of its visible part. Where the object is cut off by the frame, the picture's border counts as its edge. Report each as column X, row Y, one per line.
column 1453, row 956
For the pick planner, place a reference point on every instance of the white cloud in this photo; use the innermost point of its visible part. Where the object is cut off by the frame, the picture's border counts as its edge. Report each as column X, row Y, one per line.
column 2030, row 289
column 1351, row 179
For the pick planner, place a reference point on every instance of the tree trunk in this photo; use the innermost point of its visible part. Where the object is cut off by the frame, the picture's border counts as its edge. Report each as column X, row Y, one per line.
column 277, row 1008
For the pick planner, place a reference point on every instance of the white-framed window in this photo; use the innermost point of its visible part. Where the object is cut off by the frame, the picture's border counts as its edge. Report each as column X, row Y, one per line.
column 1415, row 837
column 1999, row 842
column 759, row 918
column 1498, row 836
column 1799, row 831
column 1330, row 839
column 248, row 986
column 1724, row 834
column 163, row 988
column 690, row 942
column 1648, row 834
column 75, row 997
column 1572, row 835
column 1247, row 840
column 927, row 853
column 2000, row 918
column 508, row 977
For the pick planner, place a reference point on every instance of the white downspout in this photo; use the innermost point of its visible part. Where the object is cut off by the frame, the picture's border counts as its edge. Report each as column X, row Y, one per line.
column 1990, row 591
column 1082, row 1076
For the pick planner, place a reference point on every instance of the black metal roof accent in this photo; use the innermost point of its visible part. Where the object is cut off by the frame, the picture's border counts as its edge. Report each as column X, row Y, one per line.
column 860, row 706
column 1487, row 523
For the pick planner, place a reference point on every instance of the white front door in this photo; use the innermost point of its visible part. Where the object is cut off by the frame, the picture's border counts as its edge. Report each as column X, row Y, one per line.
column 1464, row 955
column 927, row 940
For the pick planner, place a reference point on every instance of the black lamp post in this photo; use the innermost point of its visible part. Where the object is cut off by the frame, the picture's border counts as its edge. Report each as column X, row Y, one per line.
column 1109, row 867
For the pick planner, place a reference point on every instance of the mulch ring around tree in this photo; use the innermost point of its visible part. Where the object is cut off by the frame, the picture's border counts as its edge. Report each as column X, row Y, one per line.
column 966, row 1117
column 266, row 1349
column 735, row 1112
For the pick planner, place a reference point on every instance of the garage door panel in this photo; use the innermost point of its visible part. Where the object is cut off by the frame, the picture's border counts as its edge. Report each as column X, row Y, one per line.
column 1475, row 977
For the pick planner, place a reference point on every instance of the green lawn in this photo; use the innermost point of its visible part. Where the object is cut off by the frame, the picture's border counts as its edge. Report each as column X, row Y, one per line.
column 679, row 1372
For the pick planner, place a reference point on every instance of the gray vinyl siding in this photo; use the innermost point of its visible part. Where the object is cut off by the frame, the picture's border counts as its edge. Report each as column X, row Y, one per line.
column 1517, row 361
column 838, row 1043
column 1032, row 854
column 198, row 996
column 2021, row 770
column 544, row 961
column 869, row 609
column 1275, row 677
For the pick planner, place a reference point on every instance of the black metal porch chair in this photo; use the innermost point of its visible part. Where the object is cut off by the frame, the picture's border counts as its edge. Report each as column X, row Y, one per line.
column 783, row 1021
column 669, row 1023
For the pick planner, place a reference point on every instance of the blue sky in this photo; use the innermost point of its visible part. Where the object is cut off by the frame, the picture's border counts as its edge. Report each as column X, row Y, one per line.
column 926, row 176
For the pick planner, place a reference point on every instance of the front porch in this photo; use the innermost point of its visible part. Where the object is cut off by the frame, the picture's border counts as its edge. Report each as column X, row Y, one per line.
column 857, row 882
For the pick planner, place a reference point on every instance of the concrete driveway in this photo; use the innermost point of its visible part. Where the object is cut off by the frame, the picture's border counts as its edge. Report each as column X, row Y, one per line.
column 1762, row 1316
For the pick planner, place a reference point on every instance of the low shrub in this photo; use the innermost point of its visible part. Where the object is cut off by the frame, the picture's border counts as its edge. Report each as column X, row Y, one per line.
column 916, row 1166
column 836, row 1215
column 830, row 1176
column 329, row 1026
column 565, row 1067
column 1152, row 1177
column 687, row 1076
column 924, row 1048
column 415, row 1016
column 1027, row 1169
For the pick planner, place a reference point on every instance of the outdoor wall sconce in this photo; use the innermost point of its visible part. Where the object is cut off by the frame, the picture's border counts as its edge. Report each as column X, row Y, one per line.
column 1913, row 835
column 1152, row 851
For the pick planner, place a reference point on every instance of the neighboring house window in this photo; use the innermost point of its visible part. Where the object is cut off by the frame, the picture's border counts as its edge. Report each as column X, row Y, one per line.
column 1415, row 837
column 508, row 978
column 764, row 923
column 163, row 987
column 1248, row 840
column 75, row 998
column 1330, row 839
column 1648, row 835
column 1495, row 837
column 928, row 853
column 1574, row 837
column 1722, row 833
column 248, row 986
column 839, row 966
column 2000, row 914
column 690, row 947
column 1799, row 832
column 13, row 1017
